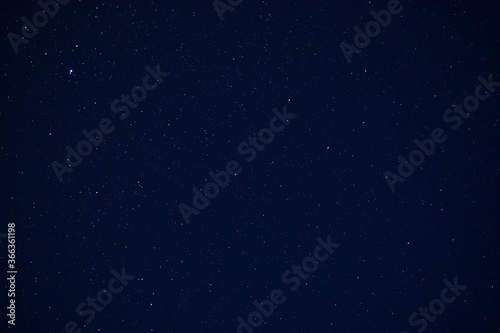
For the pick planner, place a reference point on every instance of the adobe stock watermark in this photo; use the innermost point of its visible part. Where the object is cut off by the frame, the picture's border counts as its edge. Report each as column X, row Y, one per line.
column 294, row 276
column 96, row 135
column 221, row 179
column 12, row 273
column 427, row 147
column 222, row 7
column 40, row 20
column 102, row 299
column 372, row 29
column 437, row 306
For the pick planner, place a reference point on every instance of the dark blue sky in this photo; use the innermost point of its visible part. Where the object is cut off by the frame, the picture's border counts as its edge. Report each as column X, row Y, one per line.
column 180, row 97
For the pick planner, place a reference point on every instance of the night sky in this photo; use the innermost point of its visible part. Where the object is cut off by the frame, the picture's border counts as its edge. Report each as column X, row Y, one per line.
column 250, row 166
